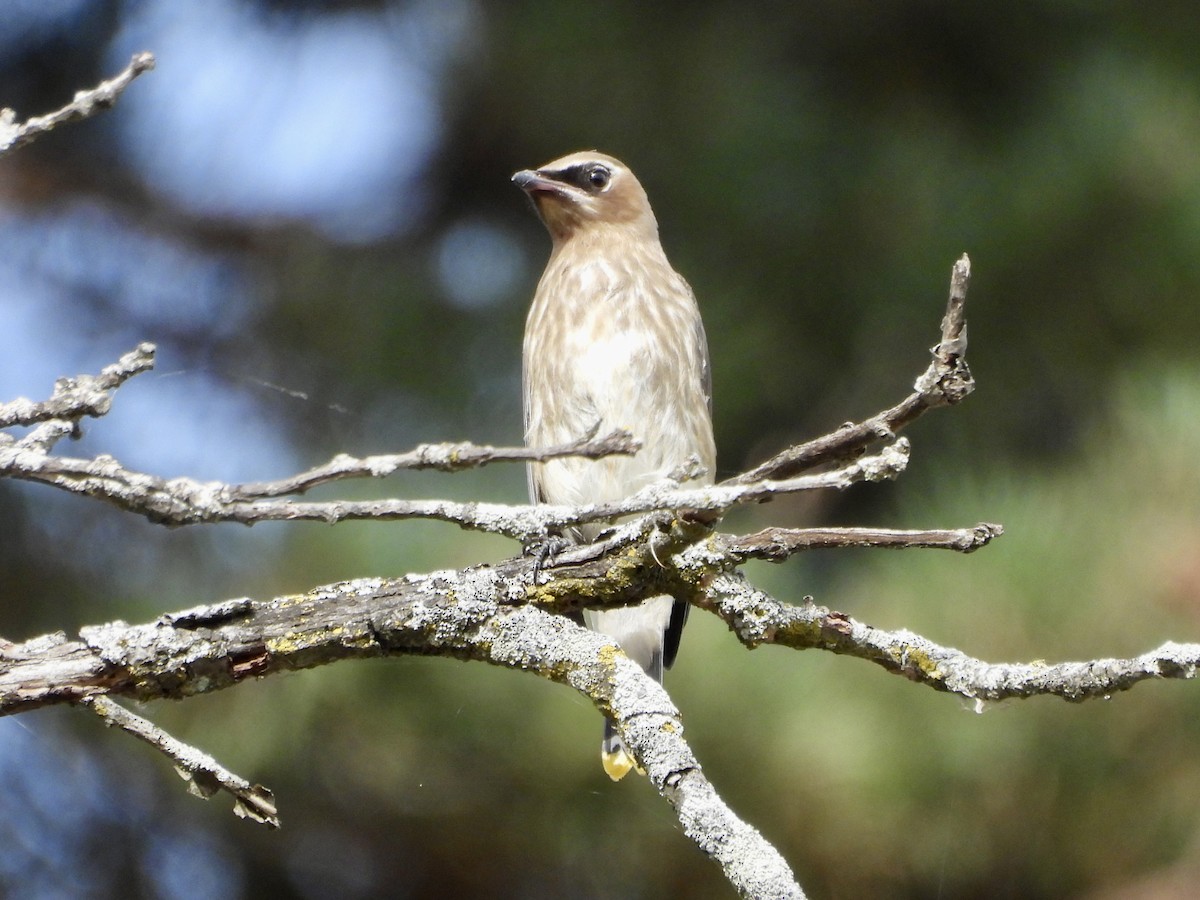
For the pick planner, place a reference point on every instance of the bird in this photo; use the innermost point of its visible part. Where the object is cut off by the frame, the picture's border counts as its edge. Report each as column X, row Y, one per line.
column 613, row 339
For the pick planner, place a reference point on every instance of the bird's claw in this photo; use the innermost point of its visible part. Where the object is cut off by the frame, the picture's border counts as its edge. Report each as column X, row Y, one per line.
column 543, row 550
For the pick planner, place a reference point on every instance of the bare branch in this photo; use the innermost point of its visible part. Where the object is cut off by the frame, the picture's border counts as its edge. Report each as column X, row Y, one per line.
column 442, row 457
column 91, row 395
column 466, row 614
column 203, row 774
column 185, row 501
column 214, row 647
column 777, row 544
column 85, row 105
column 752, row 866
column 501, row 614
column 470, row 614
column 945, row 382
column 756, row 618
column 83, row 395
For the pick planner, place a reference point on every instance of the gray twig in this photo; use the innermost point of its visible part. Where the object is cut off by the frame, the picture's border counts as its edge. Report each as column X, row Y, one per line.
column 185, row 501
column 499, row 614
column 205, row 649
column 14, row 134
column 442, row 457
column 777, row 544
column 83, row 395
column 757, row 618
column 203, row 774
column 946, row 381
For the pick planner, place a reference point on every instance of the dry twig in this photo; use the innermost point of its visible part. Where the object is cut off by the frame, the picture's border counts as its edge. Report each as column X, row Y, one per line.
column 86, row 104
column 203, row 774
column 500, row 614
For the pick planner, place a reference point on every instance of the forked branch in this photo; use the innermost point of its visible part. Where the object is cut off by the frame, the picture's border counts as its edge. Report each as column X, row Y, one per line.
column 509, row 614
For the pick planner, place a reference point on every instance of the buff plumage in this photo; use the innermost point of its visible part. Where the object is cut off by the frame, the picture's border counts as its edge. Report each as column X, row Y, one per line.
column 613, row 340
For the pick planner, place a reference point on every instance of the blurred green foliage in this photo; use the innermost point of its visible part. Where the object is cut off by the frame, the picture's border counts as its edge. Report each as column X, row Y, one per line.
column 816, row 169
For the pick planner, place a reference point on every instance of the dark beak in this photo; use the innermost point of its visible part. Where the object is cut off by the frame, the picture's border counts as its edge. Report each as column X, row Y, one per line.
column 532, row 182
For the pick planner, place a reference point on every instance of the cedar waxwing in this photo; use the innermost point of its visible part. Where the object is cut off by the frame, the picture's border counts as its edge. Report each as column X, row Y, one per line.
column 613, row 340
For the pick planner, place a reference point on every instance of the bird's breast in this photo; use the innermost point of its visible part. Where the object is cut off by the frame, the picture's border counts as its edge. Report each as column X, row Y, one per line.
column 609, row 347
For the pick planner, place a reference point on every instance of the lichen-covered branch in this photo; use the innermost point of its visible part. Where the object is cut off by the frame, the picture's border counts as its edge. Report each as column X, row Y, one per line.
column 14, row 134
column 447, row 457
column 203, row 774
column 509, row 614
column 757, row 618
column 469, row 614
column 83, row 395
column 498, row 614
column 186, row 501
column 216, row 646
column 213, row 647
column 778, row 544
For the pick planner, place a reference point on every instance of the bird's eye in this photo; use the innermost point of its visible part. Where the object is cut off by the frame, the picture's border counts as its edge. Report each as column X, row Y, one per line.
column 598, row 177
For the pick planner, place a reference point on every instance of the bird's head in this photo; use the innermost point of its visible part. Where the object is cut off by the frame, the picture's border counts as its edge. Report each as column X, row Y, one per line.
column 585, row 191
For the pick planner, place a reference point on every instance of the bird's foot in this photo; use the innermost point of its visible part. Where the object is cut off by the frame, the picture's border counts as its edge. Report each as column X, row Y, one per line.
column 543, row 550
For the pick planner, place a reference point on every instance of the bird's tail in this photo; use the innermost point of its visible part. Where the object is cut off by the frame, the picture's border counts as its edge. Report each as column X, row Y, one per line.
column 640, row 631
column 614, row 756
column 617, row 761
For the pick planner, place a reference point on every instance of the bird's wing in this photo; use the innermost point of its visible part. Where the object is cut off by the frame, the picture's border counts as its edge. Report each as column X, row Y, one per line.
column 531, row 471
column 680, row 609
column 705, row 365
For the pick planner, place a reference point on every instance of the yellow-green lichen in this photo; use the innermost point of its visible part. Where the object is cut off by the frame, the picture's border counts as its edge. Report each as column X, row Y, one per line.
column 914, row 658
column 609, row 654
column 622, row 577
